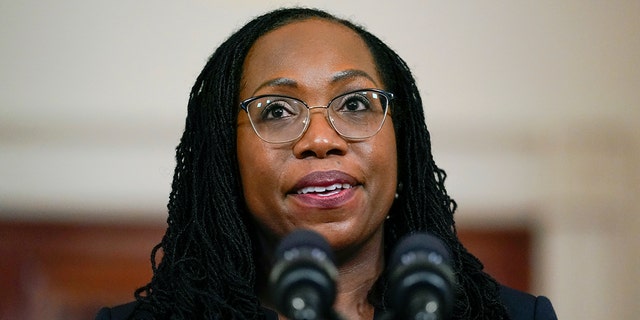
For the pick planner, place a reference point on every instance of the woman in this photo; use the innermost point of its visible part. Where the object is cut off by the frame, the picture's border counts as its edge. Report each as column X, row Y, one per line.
column 361, row 179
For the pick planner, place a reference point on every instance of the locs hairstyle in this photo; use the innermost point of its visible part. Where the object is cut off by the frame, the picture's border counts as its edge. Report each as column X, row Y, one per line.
column 208, row 268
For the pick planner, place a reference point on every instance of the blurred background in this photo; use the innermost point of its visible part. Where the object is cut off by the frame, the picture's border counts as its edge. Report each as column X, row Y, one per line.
column 533, row 106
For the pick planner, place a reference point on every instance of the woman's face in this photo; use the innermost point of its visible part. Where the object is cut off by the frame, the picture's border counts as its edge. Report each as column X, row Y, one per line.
column 314, row 61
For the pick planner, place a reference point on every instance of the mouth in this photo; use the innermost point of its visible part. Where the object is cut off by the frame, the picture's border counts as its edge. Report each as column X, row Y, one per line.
column 325, row 191
column 324, row 183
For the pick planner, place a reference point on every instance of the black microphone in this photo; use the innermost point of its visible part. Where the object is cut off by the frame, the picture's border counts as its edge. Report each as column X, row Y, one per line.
column 421, row 281
column 303, row 279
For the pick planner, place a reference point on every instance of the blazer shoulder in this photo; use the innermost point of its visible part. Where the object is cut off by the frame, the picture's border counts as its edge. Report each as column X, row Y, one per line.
column 524, row 306
column 120, row 312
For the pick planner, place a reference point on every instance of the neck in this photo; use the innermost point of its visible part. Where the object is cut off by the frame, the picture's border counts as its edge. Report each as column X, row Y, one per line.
column 357, row 276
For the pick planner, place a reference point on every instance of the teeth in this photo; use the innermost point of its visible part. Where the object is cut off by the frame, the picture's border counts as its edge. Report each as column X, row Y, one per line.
column 332, row 187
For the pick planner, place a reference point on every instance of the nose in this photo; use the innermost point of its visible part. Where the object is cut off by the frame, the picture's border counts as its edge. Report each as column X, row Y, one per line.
column 320, row 140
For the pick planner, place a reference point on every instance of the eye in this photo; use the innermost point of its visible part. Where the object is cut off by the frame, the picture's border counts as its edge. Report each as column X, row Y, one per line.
column 277, row 109
column 354, row 102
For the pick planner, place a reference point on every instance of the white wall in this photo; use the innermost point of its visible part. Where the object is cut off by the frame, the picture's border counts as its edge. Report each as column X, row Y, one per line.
column 534, row 109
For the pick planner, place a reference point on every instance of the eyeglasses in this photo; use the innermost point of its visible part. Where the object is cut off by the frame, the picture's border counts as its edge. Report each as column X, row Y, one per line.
column 354, row 115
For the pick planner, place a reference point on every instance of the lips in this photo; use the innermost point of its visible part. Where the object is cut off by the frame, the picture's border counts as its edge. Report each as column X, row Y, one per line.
column 324, row 181
column 325, row 189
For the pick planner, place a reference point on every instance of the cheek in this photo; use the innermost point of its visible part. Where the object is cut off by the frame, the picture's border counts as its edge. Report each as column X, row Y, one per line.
column 385, row 161
column 260, row 169
column 250, row 152
column 384, row 153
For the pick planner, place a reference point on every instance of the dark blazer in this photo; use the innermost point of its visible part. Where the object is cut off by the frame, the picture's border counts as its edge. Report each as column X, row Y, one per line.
column 520, row 306
column 523, row 306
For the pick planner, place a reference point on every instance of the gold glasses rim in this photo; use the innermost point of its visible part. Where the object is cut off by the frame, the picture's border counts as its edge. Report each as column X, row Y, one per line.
column 244, row 105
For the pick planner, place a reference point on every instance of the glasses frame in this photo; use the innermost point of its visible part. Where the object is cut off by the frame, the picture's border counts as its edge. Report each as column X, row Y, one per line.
column 244, row 105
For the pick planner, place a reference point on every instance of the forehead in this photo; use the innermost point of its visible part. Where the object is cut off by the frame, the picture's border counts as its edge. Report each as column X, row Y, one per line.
column 308, row 52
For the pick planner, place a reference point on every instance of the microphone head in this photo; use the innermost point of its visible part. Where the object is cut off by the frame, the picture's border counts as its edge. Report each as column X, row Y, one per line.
column 421, row 242
column 421, row 281
column 303, row 279
column 304, row 238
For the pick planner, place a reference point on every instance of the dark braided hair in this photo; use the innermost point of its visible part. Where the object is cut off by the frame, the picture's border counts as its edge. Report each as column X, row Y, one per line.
column 208, row 266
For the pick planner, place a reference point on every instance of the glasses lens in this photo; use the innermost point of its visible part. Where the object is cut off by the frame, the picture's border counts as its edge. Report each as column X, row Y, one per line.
column 359, row 114
column 277, row 119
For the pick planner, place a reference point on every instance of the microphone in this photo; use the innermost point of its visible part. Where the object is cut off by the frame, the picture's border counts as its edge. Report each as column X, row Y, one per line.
column 303, row 279
column 421, row 281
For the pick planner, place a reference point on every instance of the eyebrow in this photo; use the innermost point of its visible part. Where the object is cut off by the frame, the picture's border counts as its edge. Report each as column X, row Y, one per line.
column 338, row 77
column 351, row 74
column 277, row 82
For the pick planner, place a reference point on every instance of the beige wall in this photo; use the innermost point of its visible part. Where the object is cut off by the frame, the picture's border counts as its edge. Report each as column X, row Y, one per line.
column 534, row 109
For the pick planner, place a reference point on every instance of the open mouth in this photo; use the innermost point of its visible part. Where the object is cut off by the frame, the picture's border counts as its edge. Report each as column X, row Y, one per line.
column 325, row 191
